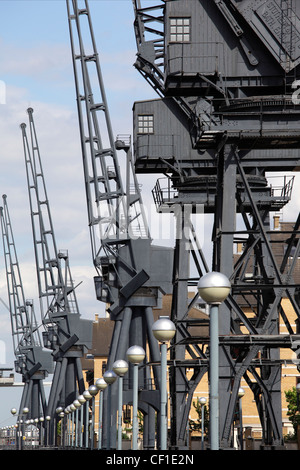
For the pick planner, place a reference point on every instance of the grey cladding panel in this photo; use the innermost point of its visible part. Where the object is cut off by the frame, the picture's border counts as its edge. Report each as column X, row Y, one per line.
column 220, row 42
column 277, row 26
column 171, row 136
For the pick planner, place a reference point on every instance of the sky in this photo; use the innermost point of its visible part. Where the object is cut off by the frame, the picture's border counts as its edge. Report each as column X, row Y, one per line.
column 36, row 71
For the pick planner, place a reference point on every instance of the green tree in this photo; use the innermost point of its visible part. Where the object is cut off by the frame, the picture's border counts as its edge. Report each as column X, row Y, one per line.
column 293, row 402
column 196, row 425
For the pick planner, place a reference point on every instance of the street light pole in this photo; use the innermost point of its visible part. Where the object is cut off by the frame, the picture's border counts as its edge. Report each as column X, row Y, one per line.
column 109, row 377
column 101, row 385
column 213, row 288
column 120, row 367
column 135, row 355
column 93, row 391
column 163, row 330
column 241, row 393
column 202, row 401
column 77, row 405
column 48, row 419
column 87, row 397
column 82, row 401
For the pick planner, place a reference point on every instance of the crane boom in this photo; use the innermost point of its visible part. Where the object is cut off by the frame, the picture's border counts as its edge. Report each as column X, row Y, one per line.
column 32, row 361
column 25, row 331
column 132, row 273
column 115, row 215
column 55, row 285
column 67, row 334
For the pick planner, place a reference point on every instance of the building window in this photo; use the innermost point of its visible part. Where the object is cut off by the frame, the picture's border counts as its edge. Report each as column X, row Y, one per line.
column 180, row 29
column 145, row 124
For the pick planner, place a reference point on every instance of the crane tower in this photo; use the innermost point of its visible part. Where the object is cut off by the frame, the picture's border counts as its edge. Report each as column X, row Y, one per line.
column 66, row 333
column 132, row 273
column 33, row 361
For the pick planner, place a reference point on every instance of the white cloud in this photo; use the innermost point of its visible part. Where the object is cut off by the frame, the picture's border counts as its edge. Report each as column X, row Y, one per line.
column 42, row 61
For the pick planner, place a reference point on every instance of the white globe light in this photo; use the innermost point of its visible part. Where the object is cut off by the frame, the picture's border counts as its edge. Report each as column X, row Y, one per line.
column 214, row 287
column 81, row 399
column 202, row 400
column 87, row 395
column 135, row 354
column 109, row 377
column 163, row 329
column 120, row 367
column 93, row 390
column 101, row 384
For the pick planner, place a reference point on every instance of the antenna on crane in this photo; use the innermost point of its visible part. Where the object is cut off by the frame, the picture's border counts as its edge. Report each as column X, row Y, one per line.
column 33, row 362
column 66, row 333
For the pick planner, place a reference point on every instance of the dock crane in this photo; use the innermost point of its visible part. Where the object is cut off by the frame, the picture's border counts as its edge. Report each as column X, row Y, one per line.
column 132, row 274
column 66, row 333
column 33, row 361
column 149, row 30
column 226, row 76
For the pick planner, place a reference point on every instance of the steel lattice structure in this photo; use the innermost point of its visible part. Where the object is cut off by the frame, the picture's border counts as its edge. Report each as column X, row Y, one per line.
column 225, row 74
column 66, row 333
column 33, row 362
column 132, row 273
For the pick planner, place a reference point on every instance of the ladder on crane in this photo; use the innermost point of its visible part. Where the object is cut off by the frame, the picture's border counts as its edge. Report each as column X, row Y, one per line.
column 67, row 334
column 33, row 362
column 122, row 252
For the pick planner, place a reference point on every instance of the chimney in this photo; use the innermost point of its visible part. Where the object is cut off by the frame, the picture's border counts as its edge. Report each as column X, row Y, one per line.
column 239, row 247
column 276, row 222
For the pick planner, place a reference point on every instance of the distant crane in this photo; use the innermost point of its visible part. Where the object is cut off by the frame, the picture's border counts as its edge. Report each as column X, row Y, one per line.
column 132, row 273
column 33, row 362
column 66, row 333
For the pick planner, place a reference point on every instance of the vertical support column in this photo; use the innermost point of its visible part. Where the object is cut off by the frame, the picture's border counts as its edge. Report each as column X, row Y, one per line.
column 225, row 224
column 214, row 377
column 163, row 400
column 178, row 387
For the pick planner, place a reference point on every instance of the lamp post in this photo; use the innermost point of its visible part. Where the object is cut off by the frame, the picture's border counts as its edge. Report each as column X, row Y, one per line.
column 68, row 427
column 120, row 367
column 241, row 393
column 101, row 385
column 22, row 425
column 163, row 330
column 77, row 405
column 213, row 288
column 87, row 397
column 82, row 401
column 135, row 355
column 110, row 377
column 48, row 419
column 60, row 413
column 72, row 409
column 42, row 419
column 202, row 401
column 93, row 391
column 13, row 412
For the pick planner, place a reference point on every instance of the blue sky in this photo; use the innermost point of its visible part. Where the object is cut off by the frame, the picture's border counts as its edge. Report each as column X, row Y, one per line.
column 36, row 67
